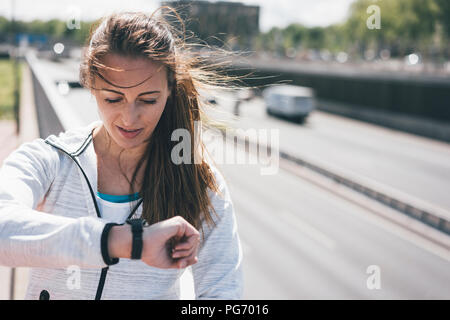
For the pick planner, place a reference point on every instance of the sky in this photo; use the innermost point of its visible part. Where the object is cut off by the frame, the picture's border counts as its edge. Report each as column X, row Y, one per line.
column 272, row 13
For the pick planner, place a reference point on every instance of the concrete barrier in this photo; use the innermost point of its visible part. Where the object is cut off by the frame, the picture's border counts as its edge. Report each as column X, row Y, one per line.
column 398, row 121
column 54, row 114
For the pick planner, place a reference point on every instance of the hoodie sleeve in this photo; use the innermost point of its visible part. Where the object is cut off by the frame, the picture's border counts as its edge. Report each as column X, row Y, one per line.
column 218, row 272
column 30, row 238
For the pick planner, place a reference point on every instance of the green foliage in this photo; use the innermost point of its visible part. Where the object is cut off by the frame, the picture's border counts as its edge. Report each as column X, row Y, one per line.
column 406, row 26
column 7, row 88
column 444, row 15
column 55, row 29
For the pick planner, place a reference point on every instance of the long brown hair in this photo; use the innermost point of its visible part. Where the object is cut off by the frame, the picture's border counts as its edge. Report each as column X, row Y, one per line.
column 168, row 189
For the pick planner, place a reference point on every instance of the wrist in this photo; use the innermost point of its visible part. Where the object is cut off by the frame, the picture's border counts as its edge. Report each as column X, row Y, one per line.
column 120, row 241
column 137, row 239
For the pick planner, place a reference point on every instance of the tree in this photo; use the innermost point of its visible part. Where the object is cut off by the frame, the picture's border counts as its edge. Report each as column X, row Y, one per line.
column 444, row 15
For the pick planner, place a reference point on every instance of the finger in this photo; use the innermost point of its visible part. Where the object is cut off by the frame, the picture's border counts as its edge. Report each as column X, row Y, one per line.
column 189, row 259
column 191, row 241
column 183, row 229
column 192, row 258
column 182, row 253
column 180, row 224
column 188, row 229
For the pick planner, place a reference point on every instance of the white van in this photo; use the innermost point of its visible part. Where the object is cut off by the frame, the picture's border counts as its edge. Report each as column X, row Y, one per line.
column 291, row 101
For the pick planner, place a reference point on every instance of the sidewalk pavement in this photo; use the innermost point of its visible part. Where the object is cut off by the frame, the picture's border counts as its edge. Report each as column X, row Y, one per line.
column 8, row 138
column 8, row 142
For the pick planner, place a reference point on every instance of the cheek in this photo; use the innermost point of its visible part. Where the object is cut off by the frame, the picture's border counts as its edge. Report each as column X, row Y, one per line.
column 107, row 116
column 105, row 110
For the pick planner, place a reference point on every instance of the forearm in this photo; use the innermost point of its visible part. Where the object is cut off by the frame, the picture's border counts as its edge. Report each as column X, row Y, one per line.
column 30, row 238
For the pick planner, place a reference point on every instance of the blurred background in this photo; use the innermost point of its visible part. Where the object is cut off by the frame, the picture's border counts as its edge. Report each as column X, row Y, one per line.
column 355, row 98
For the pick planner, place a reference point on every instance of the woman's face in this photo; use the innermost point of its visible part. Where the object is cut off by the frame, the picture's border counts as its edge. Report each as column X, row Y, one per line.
column 130, row 115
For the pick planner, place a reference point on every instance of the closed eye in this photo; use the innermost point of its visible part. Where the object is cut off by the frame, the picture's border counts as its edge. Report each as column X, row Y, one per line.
column 149, row 101
column 119, row 99
column 112, row 100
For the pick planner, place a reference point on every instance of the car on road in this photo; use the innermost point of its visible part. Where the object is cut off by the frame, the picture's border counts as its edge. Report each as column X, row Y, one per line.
column 290, row 101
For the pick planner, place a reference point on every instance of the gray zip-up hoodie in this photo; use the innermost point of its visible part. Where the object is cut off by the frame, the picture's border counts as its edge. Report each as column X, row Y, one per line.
column 48, row 222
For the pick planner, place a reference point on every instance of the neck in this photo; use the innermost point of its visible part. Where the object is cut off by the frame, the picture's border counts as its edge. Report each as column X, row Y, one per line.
column 110, row 151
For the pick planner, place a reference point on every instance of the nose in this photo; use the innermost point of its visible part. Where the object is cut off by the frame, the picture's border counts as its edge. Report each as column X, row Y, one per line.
column 130, row 114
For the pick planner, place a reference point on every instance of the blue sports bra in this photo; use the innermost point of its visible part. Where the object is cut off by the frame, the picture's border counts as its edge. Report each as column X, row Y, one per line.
column 119, row 199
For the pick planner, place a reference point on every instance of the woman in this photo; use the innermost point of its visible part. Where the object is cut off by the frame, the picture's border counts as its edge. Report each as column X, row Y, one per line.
column 80, row 198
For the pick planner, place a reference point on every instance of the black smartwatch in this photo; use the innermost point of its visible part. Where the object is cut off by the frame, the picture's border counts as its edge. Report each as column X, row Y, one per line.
column 137, row 243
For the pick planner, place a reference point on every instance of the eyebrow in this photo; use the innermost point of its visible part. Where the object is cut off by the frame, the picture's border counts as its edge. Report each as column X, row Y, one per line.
column 140, row 94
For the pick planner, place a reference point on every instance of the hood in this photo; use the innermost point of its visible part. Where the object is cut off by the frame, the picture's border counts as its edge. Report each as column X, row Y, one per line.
column 73, row 141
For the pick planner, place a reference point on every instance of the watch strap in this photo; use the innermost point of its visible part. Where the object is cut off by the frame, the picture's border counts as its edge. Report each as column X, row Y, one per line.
column 104, row 244
column 137, row 241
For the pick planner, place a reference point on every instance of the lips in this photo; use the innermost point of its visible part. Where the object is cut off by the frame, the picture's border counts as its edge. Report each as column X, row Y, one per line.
column 129, row 133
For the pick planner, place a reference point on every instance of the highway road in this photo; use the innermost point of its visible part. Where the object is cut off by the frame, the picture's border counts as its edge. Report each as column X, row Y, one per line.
column 414, row 165
column 301, row 241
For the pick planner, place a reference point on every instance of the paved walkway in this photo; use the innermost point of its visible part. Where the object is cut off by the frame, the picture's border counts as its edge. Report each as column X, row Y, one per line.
column 8, row 138
column 8, row 142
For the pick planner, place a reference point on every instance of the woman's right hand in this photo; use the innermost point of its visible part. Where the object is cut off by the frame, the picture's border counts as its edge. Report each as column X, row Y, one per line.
column 172, row 243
